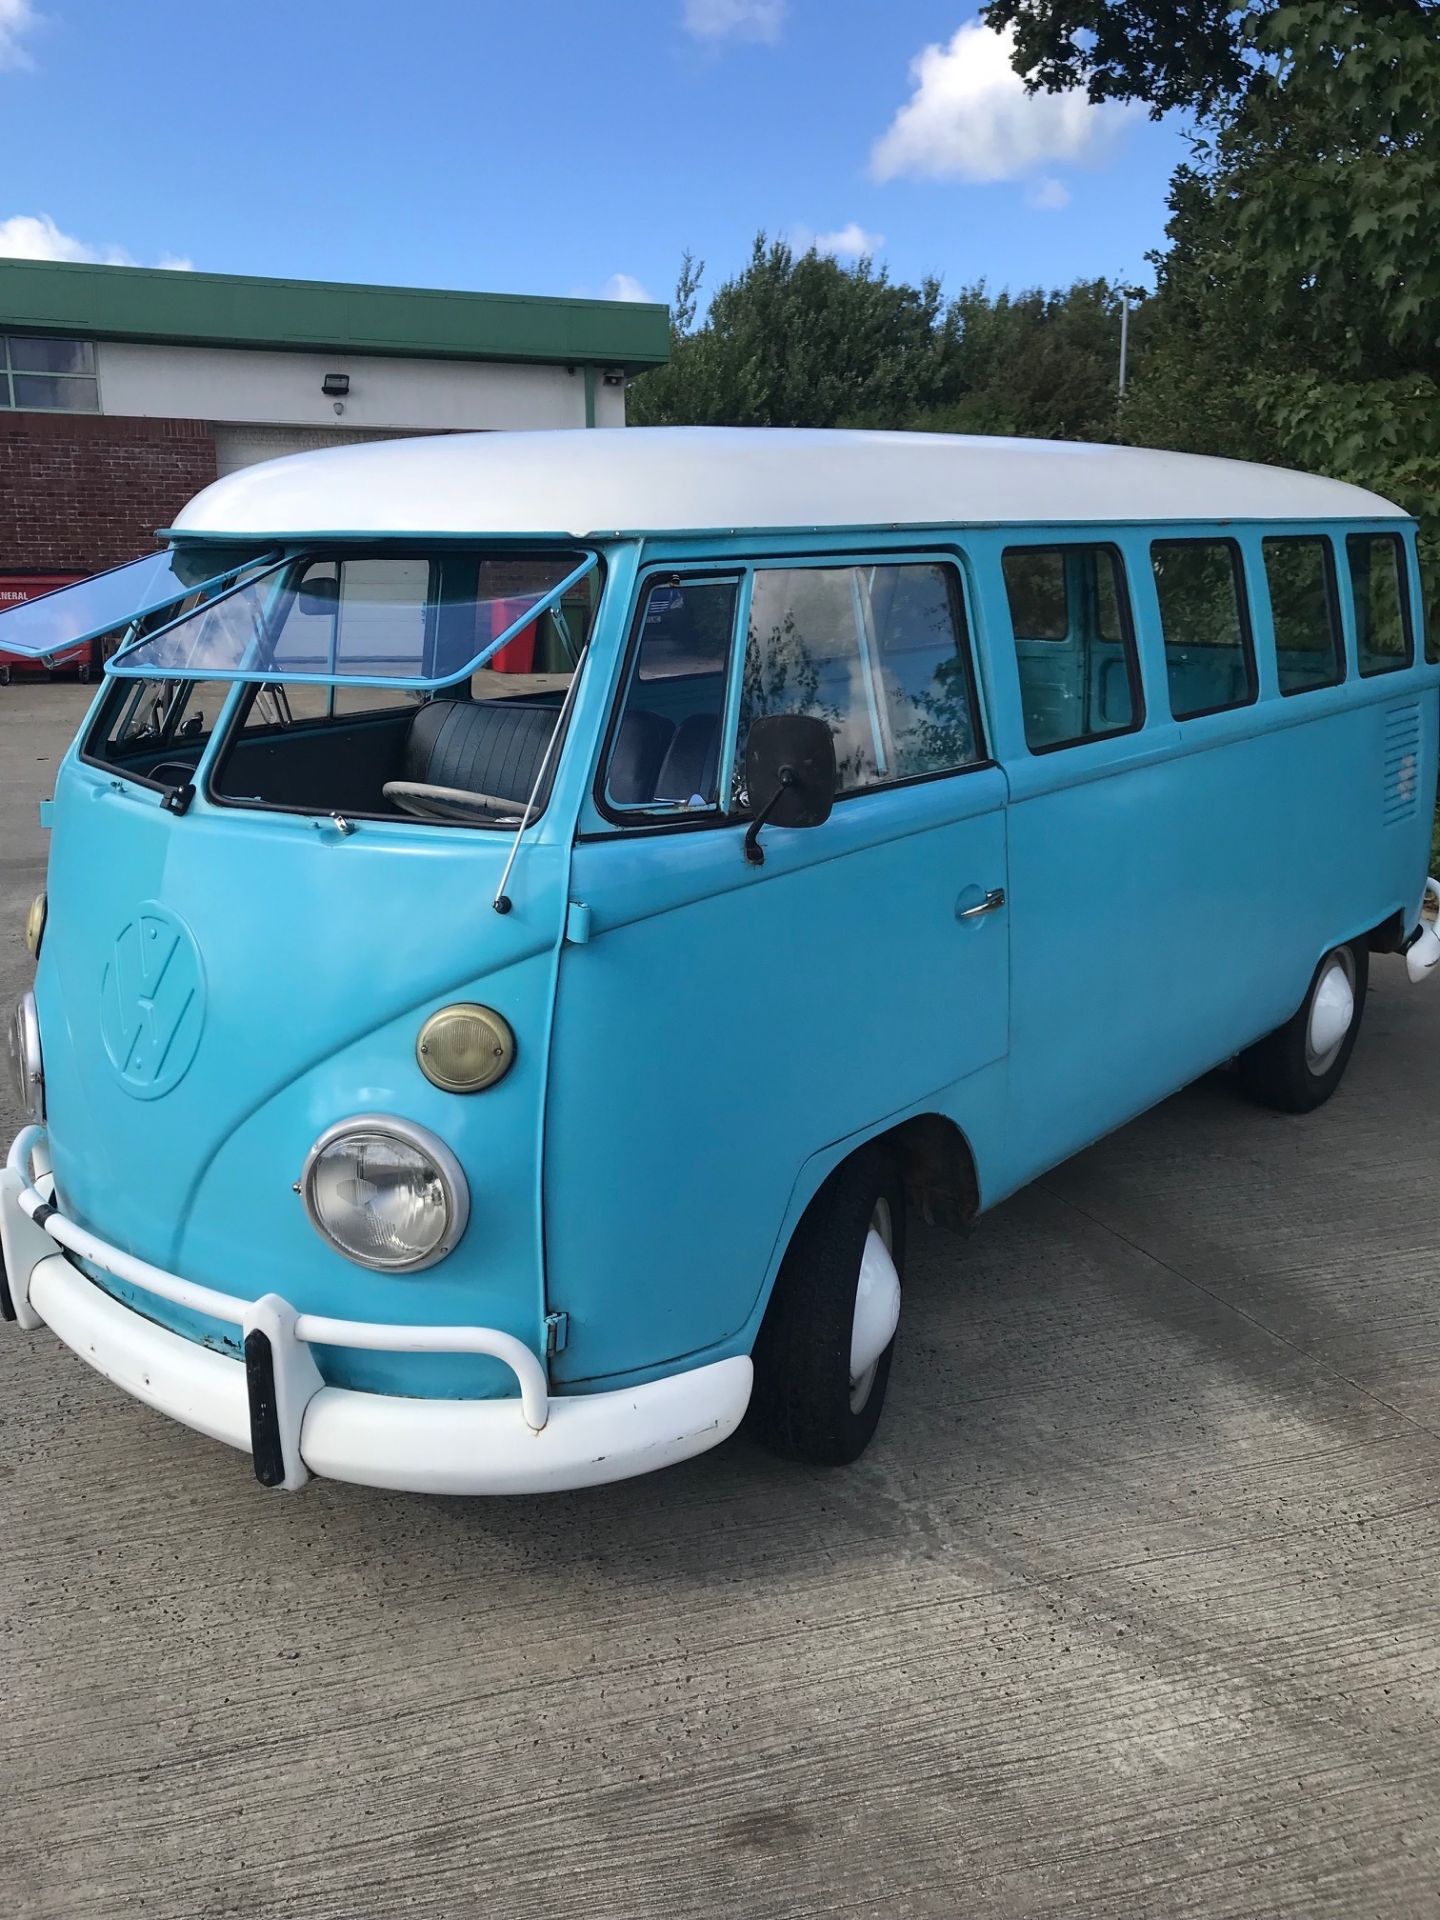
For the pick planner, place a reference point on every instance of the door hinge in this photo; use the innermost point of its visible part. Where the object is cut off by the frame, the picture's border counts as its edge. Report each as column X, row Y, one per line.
column 577, row 923
column 557, row 1333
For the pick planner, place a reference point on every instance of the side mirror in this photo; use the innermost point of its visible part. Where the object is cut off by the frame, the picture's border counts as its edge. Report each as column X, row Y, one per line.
column 318, row 596
column 789, row 774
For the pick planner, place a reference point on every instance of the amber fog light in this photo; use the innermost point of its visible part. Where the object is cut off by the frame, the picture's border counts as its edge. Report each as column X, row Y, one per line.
column 35, row 925
column 465, row 1048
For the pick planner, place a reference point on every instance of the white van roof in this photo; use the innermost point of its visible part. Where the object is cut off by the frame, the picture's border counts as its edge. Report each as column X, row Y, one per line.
column 679, row 479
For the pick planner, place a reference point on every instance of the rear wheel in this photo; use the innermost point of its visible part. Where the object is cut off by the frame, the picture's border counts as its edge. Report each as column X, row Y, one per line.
column 822, row 1357
column 1299, row 1066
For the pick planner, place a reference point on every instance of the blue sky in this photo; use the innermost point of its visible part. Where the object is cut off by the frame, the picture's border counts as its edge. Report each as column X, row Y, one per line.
column 556, row 147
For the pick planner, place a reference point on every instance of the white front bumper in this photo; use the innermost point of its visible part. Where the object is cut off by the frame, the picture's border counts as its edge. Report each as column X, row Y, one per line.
column 531, row 1444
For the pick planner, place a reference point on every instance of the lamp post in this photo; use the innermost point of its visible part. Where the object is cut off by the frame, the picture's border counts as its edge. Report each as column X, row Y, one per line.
column 1124, row 335
column 1127, row 294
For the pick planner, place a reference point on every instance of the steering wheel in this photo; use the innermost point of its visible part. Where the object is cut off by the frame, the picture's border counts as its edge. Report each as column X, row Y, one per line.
column 451, row 803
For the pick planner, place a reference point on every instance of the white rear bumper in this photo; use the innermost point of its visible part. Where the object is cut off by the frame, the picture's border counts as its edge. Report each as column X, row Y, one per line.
column 275, row 1402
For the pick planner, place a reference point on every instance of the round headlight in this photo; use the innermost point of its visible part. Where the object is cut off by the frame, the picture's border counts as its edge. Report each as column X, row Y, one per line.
column 465, row 1048
column 25, row 1060
column 35, row 925
column 385, row 1194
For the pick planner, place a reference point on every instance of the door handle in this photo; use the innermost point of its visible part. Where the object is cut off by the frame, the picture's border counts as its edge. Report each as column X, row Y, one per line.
column 992, row 903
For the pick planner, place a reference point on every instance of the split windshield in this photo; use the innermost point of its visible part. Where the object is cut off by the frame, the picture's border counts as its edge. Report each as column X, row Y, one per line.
column 421, row 620
column 369, row 684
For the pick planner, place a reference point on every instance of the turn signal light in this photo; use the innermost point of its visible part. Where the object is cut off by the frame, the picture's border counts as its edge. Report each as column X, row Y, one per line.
column 35, row 925
column 465, row 1048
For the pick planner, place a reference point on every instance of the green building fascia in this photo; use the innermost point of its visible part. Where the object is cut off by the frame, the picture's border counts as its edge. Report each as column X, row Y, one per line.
column 176, row 308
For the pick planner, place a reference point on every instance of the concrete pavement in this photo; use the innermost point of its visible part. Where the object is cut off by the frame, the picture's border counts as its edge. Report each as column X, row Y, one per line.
column 1132, row 1610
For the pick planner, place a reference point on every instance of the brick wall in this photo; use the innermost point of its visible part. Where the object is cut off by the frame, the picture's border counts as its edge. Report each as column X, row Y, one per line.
column 82, row 491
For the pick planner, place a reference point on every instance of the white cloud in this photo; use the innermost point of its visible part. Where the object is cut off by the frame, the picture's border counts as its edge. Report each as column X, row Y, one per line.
column 624, row 286
column 1049, row 195
column 970, row 118
column 850, row 242
column 731, row 19
column 35, row 236
column 17, row 18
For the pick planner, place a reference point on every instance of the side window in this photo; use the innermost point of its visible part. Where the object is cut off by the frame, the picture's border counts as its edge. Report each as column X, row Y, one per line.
column 1209, row 658
column 666, row 750
column 1069, row 610
column 1383, row 640
column 1300, row 576
column 880, row 653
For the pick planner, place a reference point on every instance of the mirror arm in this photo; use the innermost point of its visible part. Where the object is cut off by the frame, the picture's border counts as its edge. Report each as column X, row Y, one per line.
column 754, row 852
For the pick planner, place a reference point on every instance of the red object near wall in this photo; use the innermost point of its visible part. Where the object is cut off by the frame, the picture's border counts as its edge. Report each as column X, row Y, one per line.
column 15, row 588
column 517, row 655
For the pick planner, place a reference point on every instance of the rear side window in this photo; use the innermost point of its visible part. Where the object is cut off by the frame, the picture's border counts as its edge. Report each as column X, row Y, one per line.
column 1300, row 577
column 880, row 653
column 1209, row 657
column 1383, row 641
column 1074, row 644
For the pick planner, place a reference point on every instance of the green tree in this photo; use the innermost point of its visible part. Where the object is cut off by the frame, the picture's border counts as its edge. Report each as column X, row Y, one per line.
column 1297, row 316
column 1034, row 363
column 798, row 340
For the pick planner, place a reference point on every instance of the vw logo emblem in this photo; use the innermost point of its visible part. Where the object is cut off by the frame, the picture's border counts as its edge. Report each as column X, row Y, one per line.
column 152, row 1002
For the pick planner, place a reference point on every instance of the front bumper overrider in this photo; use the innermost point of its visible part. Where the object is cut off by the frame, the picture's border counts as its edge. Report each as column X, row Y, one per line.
column 275, row 1405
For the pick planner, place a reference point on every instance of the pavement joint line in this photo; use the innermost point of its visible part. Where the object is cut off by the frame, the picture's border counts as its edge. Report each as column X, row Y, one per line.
column 1303, row 1353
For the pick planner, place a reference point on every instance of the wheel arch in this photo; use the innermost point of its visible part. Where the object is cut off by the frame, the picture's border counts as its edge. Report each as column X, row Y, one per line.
column 937, row 1164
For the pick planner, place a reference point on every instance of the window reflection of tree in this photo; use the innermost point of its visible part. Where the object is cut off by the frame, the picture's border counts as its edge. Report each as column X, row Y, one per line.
column 941, row 732
column 784, row 673
column 922, row 702
column 931, row 721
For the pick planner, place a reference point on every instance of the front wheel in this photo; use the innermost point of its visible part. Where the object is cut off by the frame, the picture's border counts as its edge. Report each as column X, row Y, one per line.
column 1299, row 1066
column 823, row 1353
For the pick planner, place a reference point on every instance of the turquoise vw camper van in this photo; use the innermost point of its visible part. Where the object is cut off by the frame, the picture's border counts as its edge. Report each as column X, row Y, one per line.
column 531, row 916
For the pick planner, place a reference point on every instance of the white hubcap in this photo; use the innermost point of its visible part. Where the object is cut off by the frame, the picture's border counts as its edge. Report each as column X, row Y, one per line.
column 1332, row 1010
column 877, row 1306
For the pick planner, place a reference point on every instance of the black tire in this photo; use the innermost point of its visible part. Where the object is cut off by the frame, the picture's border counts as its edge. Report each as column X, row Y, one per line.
column 800, row 1406
column 4, row 676
column 1280, row 1071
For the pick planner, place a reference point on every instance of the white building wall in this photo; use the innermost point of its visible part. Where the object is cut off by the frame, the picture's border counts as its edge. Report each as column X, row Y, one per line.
column 244, row 386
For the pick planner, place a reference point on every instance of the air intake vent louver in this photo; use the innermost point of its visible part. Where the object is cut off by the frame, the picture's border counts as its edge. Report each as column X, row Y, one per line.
column 1402, row 764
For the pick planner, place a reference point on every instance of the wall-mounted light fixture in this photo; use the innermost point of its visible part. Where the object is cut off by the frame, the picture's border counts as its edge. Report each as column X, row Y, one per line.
column 335, row 385
column 614, row 377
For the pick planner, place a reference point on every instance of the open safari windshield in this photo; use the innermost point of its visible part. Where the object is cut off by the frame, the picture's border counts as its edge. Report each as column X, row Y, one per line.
column 401, row 620
column 434, row 684
column 112, row 603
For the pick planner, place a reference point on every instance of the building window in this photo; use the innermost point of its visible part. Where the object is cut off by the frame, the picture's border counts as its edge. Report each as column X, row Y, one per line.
column 47, row 376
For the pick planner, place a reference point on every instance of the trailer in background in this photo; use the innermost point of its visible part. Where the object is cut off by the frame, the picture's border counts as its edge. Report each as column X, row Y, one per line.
column 15, row 588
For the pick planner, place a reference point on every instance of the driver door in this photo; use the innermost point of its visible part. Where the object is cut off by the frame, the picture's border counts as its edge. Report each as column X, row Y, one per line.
column 722, row 1023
